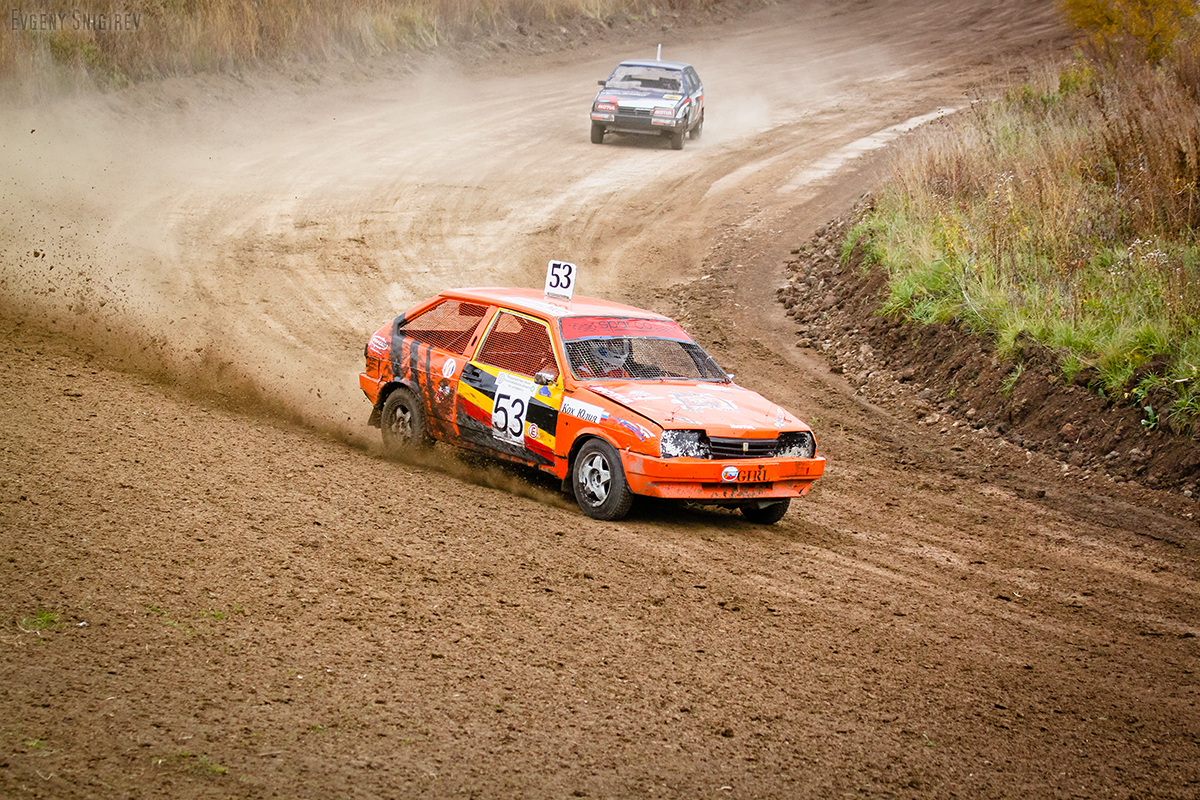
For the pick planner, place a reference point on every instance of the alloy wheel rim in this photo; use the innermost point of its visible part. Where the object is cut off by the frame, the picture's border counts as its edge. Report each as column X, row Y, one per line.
column 595, row 479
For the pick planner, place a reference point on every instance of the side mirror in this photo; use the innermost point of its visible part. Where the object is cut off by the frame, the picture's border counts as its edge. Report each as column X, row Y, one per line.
column 602, row 83
column 544, row 378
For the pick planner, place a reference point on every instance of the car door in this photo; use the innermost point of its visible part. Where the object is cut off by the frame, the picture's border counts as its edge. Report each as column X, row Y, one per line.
column 695, row 91
column 426, row 354
column 509, row 394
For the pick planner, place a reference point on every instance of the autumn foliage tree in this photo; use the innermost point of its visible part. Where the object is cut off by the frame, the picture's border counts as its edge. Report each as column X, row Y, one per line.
column 1151, row 27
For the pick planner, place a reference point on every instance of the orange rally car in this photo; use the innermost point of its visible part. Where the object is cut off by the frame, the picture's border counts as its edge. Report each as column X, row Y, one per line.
column 613, row 400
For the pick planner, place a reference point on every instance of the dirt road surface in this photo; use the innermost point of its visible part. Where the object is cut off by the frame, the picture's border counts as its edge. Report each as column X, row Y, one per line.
column 212, row 585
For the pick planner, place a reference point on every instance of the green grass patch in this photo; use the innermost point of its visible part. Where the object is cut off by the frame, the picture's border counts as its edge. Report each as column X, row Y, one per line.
column 40, row 621
column 1067, row 212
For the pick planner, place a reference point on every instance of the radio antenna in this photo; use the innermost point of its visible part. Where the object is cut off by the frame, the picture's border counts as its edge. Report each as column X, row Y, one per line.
column 659, row 56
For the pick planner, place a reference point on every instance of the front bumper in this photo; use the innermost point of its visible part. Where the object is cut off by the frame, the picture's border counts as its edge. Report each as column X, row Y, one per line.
column 638, row 123
column 702, row 480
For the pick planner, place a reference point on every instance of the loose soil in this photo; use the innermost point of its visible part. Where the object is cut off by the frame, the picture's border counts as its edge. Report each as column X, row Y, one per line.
column 213, row 585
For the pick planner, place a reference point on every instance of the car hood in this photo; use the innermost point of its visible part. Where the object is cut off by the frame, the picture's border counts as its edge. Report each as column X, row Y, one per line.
column 721, row 409
column 641, row 98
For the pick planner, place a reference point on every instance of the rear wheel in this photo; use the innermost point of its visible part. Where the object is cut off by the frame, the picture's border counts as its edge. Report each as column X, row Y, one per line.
column 696, row 131
column 767, row 514
column 599, row 481
column 597, row 133
column 402, row 423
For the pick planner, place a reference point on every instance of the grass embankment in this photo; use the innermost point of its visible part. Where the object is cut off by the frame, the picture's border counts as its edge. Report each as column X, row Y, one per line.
column 1066, row 212
column 49, row 46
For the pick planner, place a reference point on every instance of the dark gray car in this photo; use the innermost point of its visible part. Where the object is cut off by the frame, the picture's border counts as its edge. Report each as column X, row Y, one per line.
column 648, row 96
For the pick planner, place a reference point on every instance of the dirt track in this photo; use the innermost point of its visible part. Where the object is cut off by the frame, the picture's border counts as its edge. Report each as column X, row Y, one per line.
column 249, row 608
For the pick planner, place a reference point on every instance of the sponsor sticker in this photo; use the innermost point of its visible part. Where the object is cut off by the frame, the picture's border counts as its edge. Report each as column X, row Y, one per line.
column 612, row 394
column 378, row 344
column 732, row 474
column 510, row 407
column 698, row 402
column 591, row 327
column 584, row 411
column 449, row 368
column 638, row 430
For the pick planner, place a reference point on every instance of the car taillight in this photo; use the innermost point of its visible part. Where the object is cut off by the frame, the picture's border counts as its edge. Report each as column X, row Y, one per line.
column 606, row 106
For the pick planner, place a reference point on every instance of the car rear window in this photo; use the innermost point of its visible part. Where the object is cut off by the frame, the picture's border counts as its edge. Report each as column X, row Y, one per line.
column 448, row 325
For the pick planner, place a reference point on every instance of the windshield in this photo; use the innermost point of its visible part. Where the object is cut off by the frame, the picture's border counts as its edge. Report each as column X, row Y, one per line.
column 657, row 78
column 641, row 358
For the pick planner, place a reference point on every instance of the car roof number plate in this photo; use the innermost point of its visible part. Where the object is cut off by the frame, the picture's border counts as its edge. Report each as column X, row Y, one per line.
column 560, row 279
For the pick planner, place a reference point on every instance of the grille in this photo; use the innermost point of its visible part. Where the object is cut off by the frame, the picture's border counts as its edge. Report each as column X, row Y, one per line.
column 741, row 448
column 635, row 112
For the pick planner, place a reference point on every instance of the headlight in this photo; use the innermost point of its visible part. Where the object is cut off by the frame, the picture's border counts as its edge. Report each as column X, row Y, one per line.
column 796, row 444
column 689, row 444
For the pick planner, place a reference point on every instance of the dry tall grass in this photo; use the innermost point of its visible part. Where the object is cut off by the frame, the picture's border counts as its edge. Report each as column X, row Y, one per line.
column 1069, row 212
column 48, row 45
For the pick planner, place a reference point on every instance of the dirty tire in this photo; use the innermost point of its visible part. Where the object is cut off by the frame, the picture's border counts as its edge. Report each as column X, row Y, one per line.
column 696, row 131
column 677, row 140
column 766, row 515
column 599, row 481
column 597, row 133
column 402, row 424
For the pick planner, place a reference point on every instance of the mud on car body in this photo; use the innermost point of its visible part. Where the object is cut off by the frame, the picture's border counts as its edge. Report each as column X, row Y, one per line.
column 648, row 96
column 613, row 400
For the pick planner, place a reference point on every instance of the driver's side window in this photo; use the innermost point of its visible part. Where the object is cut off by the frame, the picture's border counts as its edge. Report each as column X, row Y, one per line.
column 518, row 344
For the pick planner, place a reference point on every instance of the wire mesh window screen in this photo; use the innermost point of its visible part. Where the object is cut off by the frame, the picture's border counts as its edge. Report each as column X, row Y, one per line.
column 518, row 344
column 448, row 325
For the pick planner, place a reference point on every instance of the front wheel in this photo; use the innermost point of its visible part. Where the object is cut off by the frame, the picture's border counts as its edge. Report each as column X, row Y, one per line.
column 402, row 423
column 599, row 482
column 597, row 133
column 677, row 140
column 767, row 514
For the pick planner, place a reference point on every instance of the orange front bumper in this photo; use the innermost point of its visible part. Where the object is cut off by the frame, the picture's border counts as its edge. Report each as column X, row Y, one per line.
column 708, row 481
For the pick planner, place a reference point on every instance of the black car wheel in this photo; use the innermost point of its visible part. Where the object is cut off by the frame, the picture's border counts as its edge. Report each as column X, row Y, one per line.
column 677, row 140
column 402, row 423
column 695, row 134
column 599, row 481
column 768, row 514
column 597, row 133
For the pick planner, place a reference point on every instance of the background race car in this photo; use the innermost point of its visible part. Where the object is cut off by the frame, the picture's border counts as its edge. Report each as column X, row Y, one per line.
column 661, row 98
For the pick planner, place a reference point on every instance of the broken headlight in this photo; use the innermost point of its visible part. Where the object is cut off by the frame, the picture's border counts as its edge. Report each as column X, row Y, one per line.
column 686, row 444
column 796, row 444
